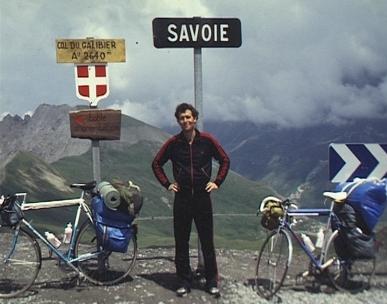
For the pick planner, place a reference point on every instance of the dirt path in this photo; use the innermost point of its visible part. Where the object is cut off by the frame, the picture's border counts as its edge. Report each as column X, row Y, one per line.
column 154, row 281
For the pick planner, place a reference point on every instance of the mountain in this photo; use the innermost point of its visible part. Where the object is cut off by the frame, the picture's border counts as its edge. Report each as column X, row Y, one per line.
column 31, row 163
column 47, row 134
column 41, row 158
column 292, row 160
column 25, row 172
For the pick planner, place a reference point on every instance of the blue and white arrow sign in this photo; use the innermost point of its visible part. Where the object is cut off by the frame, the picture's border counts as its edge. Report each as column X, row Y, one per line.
column 348, row 161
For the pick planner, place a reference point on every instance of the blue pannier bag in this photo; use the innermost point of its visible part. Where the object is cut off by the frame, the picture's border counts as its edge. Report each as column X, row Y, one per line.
column 352, row 242
column 114, row 227
column 368, row 198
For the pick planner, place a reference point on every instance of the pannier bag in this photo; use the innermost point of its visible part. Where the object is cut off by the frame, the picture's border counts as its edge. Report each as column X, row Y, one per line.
column 10, row 211
column 368, row 197
column 113, row 227
column 352, row 241
column 271, row 210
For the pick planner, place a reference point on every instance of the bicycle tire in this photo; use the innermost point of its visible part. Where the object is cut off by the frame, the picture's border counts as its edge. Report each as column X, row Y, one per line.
column 273, row 262
column 19, row 270
column 106, row 268
column 348, row 275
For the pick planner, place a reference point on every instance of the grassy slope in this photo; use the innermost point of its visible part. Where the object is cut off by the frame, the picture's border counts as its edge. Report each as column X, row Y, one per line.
column 237, row 195
column 27, row 173
column 41, row 182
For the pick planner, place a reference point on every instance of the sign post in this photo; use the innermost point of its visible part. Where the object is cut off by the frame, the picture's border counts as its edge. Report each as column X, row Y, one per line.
column 90, row 57
column 197, row 33
column 198, row 85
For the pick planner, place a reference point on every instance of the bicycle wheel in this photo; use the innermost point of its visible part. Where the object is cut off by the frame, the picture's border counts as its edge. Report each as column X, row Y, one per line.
column 19, row 267
column 107, row 267
column 273, row 262
column 348, row 275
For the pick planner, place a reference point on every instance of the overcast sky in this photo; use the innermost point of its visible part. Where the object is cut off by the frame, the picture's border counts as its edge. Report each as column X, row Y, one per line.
column 301, row 62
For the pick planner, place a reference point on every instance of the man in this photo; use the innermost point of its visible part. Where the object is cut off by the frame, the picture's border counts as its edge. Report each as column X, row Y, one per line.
column 191, row 153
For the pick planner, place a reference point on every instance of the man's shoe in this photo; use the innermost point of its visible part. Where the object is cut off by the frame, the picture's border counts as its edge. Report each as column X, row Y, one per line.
column 214, row 291
column 183, row 291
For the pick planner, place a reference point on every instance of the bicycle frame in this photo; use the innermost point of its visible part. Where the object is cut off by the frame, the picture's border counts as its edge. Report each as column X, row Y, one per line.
column 285, row 225
column 273, row 260
column 67, row 257
column 84, row 254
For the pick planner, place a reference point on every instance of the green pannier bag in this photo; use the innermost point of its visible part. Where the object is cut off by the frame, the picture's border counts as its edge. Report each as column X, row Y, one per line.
column 130, row 196
column 272, row 210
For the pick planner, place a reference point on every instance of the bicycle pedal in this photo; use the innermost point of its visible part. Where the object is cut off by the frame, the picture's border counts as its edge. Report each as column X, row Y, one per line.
column 328, row 263
column 305, row 273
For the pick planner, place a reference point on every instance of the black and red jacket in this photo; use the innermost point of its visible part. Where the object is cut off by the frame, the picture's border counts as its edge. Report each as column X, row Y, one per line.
column 192, row 164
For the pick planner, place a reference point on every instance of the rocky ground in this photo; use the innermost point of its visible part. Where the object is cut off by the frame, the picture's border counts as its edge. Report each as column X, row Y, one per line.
column 153, row 281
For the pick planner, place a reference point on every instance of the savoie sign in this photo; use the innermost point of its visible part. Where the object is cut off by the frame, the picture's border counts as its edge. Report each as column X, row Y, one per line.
column 196, row 32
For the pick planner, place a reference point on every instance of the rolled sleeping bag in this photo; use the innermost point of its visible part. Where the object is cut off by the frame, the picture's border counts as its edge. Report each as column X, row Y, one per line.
column 110, row 195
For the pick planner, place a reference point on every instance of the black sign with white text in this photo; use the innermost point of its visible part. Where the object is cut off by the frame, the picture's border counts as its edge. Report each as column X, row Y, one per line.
column 196, row 32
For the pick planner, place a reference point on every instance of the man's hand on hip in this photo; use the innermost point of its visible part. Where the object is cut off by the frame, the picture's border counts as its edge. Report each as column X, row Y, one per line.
column 174, row 187
column 211, row 186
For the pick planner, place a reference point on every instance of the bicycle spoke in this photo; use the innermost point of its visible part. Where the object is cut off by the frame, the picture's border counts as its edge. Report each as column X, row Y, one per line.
column 346, row 274
column 21, row 262
column 19, row 267
column 106, row 268
column 272, row 264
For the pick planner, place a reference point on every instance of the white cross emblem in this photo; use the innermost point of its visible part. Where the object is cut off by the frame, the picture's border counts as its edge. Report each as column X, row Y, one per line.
column 92, row 82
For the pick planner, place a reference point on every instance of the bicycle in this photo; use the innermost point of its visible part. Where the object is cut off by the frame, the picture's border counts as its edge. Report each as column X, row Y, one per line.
column 20, row 252
column 275, row 255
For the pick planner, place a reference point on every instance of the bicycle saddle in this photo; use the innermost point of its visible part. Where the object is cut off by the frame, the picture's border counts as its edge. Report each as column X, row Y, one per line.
column 338, row 197
column 84, row 186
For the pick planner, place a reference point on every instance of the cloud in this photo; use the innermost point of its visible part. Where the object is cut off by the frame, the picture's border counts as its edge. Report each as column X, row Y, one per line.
column 311, row 63
column 300, row 63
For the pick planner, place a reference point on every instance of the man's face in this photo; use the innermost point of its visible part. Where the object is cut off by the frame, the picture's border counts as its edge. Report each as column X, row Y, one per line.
column 186, row 121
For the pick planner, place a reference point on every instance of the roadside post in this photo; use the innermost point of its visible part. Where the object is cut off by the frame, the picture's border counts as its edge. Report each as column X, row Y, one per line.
column 197, row 33
column 90, row 58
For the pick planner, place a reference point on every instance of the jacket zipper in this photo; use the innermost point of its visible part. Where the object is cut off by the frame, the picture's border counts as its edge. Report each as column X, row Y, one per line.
column 190, row 155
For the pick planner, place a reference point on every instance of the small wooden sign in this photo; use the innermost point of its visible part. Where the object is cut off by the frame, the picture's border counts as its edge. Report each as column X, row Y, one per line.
column 90, row 50
column 103, row 124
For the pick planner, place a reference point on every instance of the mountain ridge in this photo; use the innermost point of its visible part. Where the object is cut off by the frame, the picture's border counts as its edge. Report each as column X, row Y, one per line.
column 47, row 133
column 290, row 158
column 287, row 158
column 46, row 177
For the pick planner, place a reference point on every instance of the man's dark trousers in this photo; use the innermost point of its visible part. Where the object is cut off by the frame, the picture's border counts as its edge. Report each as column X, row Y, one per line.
column 196, row 207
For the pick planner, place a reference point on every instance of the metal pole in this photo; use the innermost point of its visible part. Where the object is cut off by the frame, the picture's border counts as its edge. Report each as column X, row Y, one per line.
column 198, row 88
column 96, row 160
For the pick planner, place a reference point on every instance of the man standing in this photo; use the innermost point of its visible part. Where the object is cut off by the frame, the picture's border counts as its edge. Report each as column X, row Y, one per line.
column 191, row 153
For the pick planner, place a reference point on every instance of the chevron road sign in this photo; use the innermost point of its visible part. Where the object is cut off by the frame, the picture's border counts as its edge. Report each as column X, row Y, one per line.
column 348, row 161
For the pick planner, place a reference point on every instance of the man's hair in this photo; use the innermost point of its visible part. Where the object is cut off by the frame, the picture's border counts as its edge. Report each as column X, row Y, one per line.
column 181, row 108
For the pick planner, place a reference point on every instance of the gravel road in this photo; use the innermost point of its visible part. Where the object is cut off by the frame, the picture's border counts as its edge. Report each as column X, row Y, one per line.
column 153, row 281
